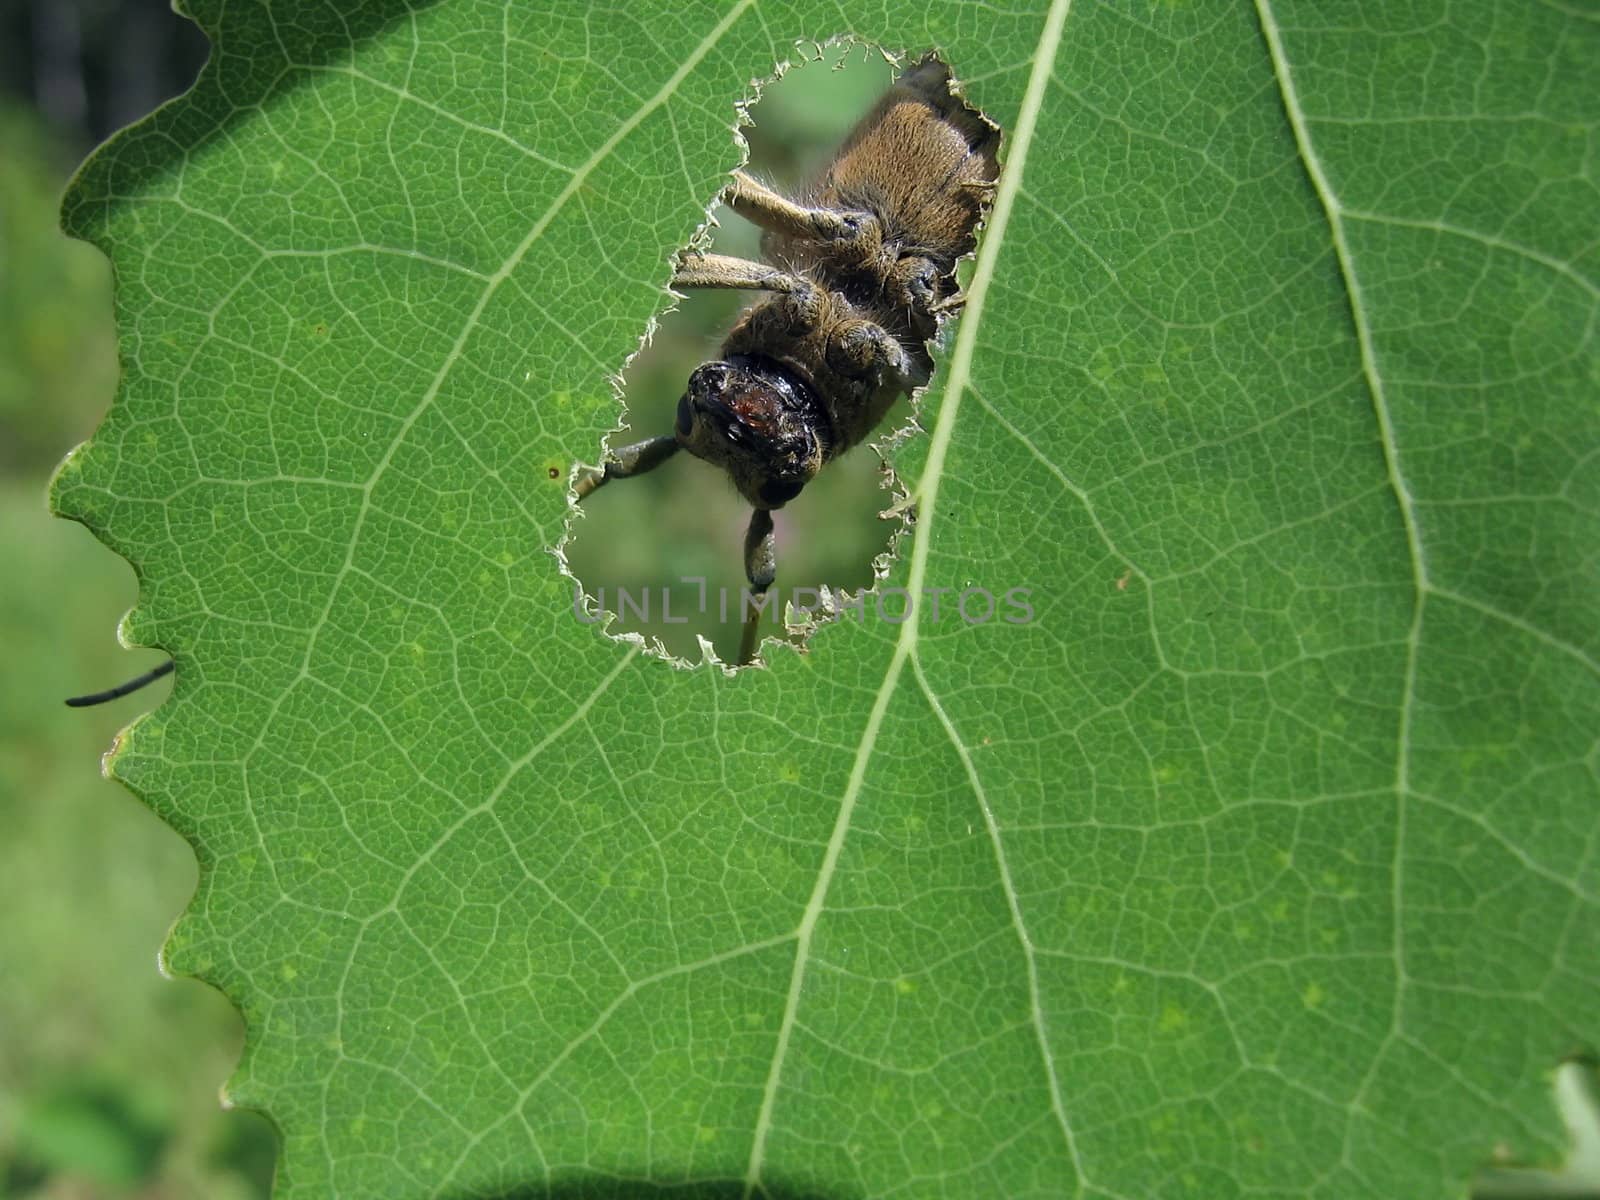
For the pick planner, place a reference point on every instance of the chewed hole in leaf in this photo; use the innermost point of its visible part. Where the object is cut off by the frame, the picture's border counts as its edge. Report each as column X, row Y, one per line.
column 664, row 551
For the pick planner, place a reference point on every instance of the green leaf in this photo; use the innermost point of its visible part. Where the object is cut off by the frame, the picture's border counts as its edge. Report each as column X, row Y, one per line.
column 1261, row 860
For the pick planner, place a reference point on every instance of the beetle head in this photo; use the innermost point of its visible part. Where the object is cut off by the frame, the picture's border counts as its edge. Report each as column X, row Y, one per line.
column 758, row 422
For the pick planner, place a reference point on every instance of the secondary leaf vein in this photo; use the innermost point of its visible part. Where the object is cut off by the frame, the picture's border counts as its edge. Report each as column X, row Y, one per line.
column 1335, row 213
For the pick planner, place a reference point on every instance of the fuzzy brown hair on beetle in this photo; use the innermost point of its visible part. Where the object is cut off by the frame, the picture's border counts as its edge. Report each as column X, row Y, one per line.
column 861, row 266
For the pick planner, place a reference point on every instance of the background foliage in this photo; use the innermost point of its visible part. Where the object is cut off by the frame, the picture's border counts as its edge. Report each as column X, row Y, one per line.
column 108, row 1072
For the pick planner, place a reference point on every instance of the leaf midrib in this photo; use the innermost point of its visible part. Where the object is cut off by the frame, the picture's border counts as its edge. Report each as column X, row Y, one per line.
column 926, row 496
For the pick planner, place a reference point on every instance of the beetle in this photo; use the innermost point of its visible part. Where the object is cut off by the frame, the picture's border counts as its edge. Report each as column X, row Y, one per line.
column 860, row 271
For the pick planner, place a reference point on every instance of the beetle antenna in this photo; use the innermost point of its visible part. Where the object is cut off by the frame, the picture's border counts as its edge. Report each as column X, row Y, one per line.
column 133, row 685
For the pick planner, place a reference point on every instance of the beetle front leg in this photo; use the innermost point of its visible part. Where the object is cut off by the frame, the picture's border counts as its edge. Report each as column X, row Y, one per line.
column 626, row 463
column 761, row 568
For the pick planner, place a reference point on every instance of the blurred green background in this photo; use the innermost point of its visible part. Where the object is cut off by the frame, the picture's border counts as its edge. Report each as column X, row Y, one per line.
column 109, row 1073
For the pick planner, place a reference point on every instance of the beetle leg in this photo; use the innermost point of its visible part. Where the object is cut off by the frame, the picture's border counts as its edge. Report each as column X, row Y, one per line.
column 756, row 202
column 866, row 350
column 801, row 308
column 626, row 463
column 761, row 568
column 697, row 270
column 916, row 284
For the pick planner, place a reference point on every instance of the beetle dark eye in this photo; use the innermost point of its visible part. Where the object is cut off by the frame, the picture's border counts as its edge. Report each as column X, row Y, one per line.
column 685, row 417
column 779, row 491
